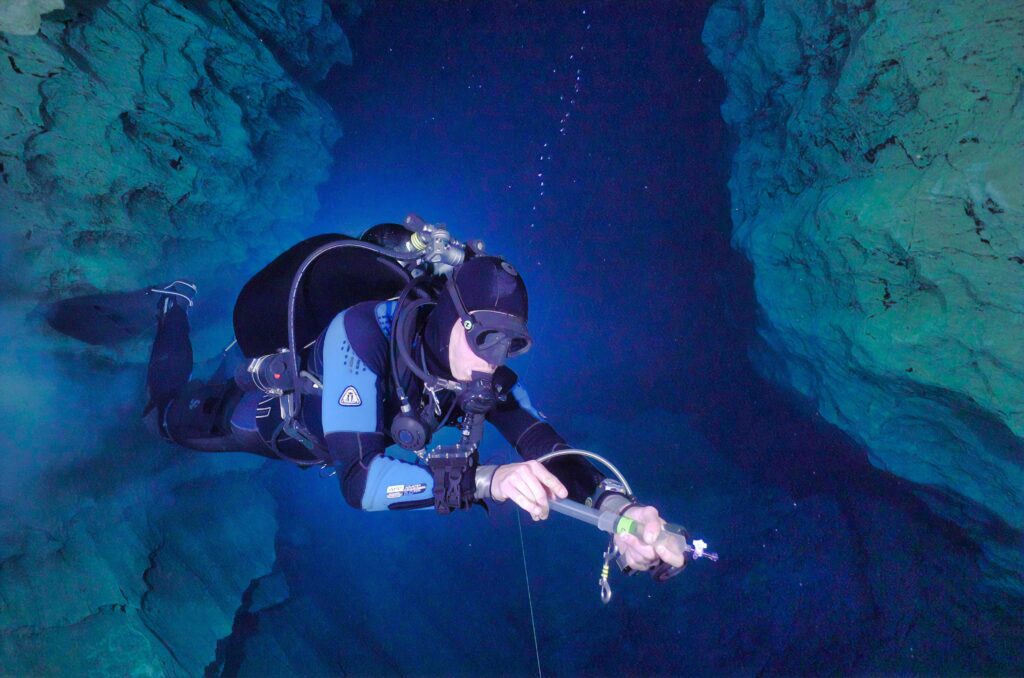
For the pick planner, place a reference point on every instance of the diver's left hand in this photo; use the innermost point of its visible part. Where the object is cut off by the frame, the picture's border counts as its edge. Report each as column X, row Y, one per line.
column 644, row 554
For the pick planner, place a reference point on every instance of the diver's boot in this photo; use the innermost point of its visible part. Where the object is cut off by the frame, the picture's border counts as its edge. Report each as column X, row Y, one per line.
column 170, row 360
column 179, row 291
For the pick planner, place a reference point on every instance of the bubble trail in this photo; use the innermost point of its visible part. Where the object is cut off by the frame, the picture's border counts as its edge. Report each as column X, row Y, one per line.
column 567, row 101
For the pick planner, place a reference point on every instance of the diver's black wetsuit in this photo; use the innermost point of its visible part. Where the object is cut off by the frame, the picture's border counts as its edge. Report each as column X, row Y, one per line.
column 219, row 416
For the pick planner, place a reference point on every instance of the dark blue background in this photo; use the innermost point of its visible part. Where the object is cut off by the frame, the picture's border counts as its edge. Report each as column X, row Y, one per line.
column 446, row 113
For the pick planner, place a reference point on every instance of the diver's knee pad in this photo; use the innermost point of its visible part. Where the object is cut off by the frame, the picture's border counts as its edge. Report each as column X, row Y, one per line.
column 244, row 426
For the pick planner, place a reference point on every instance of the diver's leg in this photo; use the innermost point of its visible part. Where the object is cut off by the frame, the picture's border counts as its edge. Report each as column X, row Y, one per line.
column 214, row 418
column 170, row 359
column 194, row 414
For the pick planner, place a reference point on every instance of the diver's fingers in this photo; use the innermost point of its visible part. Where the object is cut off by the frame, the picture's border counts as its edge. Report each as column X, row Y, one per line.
column 522, row 501
column 529, row 485
column 524, row 496
column 633, row 558
column 557, row 489
column 537, row 490
column 669, row 553
column 649, row 522
column 643, row 550
column 503, row 479
column 652, row 522
column 638, row 555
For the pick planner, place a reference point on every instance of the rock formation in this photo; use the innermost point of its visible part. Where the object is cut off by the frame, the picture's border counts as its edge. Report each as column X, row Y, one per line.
column 878, row 189
column 139, row 135
column 139, row 141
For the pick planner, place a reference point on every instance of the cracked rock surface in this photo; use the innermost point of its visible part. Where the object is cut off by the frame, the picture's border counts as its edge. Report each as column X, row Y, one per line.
column 141, row 588
column 140, row 140
column 878, row 189
column 143, row 140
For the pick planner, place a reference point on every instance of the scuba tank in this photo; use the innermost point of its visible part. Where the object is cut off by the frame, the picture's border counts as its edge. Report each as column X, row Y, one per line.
column 292, row 300
column 338, row 278
column 336, row 281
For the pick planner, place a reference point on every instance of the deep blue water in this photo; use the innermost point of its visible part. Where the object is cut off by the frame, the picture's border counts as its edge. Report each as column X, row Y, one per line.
column 448, row 111
column 643, row 317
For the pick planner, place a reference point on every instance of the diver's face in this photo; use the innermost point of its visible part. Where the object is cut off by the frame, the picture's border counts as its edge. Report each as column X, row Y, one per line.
column 461, row 357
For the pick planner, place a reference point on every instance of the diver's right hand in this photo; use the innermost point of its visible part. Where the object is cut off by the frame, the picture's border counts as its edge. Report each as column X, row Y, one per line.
column 529, row 485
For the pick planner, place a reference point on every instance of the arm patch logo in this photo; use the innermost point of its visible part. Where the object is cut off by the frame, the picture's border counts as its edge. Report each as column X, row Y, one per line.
column 350, row 398
column 396, row 491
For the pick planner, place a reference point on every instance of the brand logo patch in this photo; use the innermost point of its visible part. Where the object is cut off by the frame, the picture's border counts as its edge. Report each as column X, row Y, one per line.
column 350, row 397
column 395, row 491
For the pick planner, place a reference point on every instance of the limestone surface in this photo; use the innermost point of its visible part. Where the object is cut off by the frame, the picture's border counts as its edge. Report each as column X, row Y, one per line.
column 147, row 140
column 140, row 140
column 22, row 17
column 878, row 189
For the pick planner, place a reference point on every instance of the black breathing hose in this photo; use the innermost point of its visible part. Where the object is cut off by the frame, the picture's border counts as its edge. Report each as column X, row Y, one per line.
column 400, row 312
column 402, row 319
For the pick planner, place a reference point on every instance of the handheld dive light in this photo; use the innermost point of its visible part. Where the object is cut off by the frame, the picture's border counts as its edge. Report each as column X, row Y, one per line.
column 613, row 523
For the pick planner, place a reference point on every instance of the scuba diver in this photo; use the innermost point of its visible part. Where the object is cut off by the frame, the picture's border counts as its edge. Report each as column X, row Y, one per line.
column 355, row 345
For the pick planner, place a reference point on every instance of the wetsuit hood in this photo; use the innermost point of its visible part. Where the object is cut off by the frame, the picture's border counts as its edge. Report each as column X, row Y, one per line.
column 495, row 304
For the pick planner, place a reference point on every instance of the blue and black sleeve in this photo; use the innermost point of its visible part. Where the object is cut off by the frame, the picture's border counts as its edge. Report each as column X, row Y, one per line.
column 528, row 431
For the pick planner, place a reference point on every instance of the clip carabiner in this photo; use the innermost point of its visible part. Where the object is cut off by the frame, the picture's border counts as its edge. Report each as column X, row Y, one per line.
column 609, row 555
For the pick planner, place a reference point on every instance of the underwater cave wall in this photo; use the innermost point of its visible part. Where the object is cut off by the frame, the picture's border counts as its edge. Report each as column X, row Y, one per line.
column 878, row 188
column 139, row 141
column 147, row 139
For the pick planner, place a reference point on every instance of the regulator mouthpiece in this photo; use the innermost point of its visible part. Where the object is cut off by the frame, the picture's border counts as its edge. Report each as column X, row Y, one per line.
column 478, row 397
